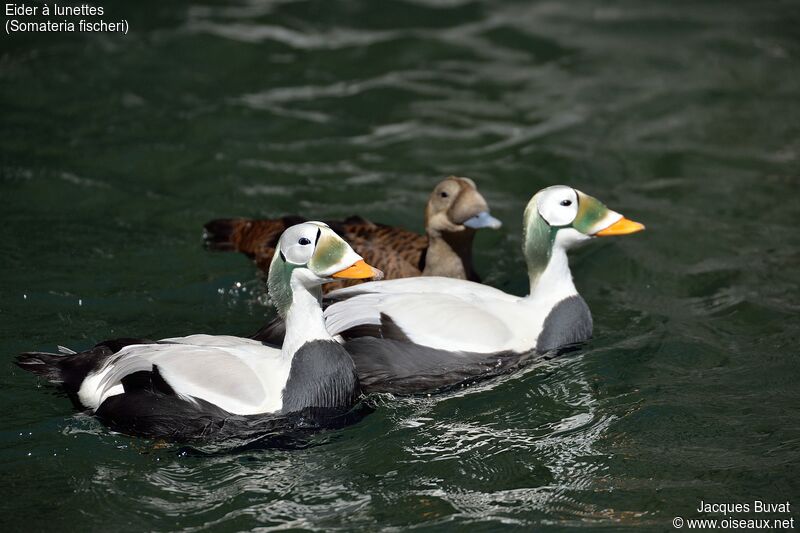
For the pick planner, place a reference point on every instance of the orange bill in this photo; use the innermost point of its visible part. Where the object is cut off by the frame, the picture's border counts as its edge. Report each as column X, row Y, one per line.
column 358, row 270
column 622, row 226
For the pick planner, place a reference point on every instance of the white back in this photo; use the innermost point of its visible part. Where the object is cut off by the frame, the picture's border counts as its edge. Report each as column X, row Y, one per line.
column 442, row 313
column 239, row 375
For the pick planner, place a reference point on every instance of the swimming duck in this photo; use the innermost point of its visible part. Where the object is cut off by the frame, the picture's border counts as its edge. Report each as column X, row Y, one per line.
column 417, row 333
column 455, row 209
column 193, row 386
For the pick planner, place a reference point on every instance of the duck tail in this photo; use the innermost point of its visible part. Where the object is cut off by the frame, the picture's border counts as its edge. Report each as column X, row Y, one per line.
column 68, row 368
column 272, row 333
column 222, row 234
column 43, row 364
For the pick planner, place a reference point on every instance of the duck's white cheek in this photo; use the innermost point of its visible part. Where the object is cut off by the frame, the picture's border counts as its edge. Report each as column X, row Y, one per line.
column 558, row 205
column 559, row 215
column 303, row 277
column 298, row 254
column 570, row 237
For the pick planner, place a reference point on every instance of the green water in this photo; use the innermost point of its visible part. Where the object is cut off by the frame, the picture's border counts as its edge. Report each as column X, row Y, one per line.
column 114, row 150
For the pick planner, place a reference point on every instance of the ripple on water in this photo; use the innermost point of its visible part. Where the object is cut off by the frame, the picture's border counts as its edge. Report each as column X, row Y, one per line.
column 468, row 455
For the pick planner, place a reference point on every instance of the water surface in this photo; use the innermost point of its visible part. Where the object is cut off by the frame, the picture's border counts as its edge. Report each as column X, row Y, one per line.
column 684, row 115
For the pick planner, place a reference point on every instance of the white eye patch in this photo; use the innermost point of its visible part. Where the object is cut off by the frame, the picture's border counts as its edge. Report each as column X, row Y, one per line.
column 297, row 254
column 297, row 243
column 558, row 205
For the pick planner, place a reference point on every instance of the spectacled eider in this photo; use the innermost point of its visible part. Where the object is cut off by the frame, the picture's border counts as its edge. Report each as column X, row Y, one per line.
column 200, row 385
column 418, row 334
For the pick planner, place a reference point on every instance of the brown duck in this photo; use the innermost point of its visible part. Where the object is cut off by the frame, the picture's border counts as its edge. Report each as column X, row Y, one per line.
column 454, row 211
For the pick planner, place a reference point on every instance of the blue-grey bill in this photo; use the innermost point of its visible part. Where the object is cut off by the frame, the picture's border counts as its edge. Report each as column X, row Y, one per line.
column 483, row 220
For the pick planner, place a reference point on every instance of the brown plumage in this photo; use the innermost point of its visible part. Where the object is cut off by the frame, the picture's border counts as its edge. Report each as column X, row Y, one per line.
column 446, row 250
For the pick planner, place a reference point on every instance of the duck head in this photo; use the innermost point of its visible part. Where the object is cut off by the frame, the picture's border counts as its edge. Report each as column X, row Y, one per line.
column 559, row 218
column 456, row 205
column 309, row 255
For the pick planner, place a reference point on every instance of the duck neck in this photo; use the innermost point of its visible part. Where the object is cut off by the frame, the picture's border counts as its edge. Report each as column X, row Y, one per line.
column 551, row 280
column 546, row 258
column 449, row 254
column 321, row 374
column 304, row 320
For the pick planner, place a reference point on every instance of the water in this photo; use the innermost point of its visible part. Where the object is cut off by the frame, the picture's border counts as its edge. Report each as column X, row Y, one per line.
column 684, row 115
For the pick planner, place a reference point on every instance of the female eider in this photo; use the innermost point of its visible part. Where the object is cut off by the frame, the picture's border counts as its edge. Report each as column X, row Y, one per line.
column 417, row 334
column 455, row 209
column 194, row 386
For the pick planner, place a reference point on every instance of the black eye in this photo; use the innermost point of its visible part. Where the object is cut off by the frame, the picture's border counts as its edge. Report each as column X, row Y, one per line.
column 304, row 241
column 566, row 203
column 443, row 194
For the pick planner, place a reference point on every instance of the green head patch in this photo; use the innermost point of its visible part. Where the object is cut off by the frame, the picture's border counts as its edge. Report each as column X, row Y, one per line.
column 590, row 212
column 330, row 251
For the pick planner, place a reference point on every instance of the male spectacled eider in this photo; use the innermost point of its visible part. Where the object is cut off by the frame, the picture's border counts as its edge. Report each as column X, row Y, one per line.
column 455, row 209
column 418, row 334
column 193, row 386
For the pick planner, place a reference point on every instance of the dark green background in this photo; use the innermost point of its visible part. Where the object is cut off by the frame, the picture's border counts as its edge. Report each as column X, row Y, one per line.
column 685, row 115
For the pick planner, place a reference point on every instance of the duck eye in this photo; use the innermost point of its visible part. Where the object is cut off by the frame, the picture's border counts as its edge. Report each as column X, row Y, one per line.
column 566, row 203
column 443, row 194
column 304, row 241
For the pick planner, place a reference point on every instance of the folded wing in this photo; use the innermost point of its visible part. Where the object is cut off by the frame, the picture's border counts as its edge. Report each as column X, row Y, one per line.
column 440, row 313
column 225, row 376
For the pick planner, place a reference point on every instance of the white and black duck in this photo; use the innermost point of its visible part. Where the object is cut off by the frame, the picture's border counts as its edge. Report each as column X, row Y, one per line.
column 194, row 386
column 417, row 334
